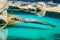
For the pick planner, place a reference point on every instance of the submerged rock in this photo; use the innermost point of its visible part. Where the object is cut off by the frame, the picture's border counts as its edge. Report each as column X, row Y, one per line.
column 42, row 38
column 56, row 36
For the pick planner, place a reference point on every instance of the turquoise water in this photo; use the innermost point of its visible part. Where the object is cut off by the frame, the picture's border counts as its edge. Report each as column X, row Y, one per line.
column 31, row 31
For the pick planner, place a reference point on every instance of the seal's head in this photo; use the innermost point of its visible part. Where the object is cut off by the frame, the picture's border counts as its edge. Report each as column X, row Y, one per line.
column 3, row 22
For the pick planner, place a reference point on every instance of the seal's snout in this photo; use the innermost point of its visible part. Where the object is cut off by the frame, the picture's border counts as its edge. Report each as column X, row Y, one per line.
column 2, row 22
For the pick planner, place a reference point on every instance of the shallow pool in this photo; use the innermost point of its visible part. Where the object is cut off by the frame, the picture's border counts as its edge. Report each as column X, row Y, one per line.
column 31, row 31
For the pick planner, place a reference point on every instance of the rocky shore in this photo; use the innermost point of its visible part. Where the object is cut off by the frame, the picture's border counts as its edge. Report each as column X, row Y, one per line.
column 38, row 8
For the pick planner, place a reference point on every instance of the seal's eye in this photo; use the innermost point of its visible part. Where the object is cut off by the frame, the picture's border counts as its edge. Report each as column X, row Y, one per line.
column 2, row 22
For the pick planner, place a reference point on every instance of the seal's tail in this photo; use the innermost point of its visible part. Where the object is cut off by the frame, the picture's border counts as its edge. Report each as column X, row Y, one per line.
column 44, row 23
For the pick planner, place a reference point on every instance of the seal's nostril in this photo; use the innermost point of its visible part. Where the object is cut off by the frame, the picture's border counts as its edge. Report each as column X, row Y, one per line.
column 2, row 22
